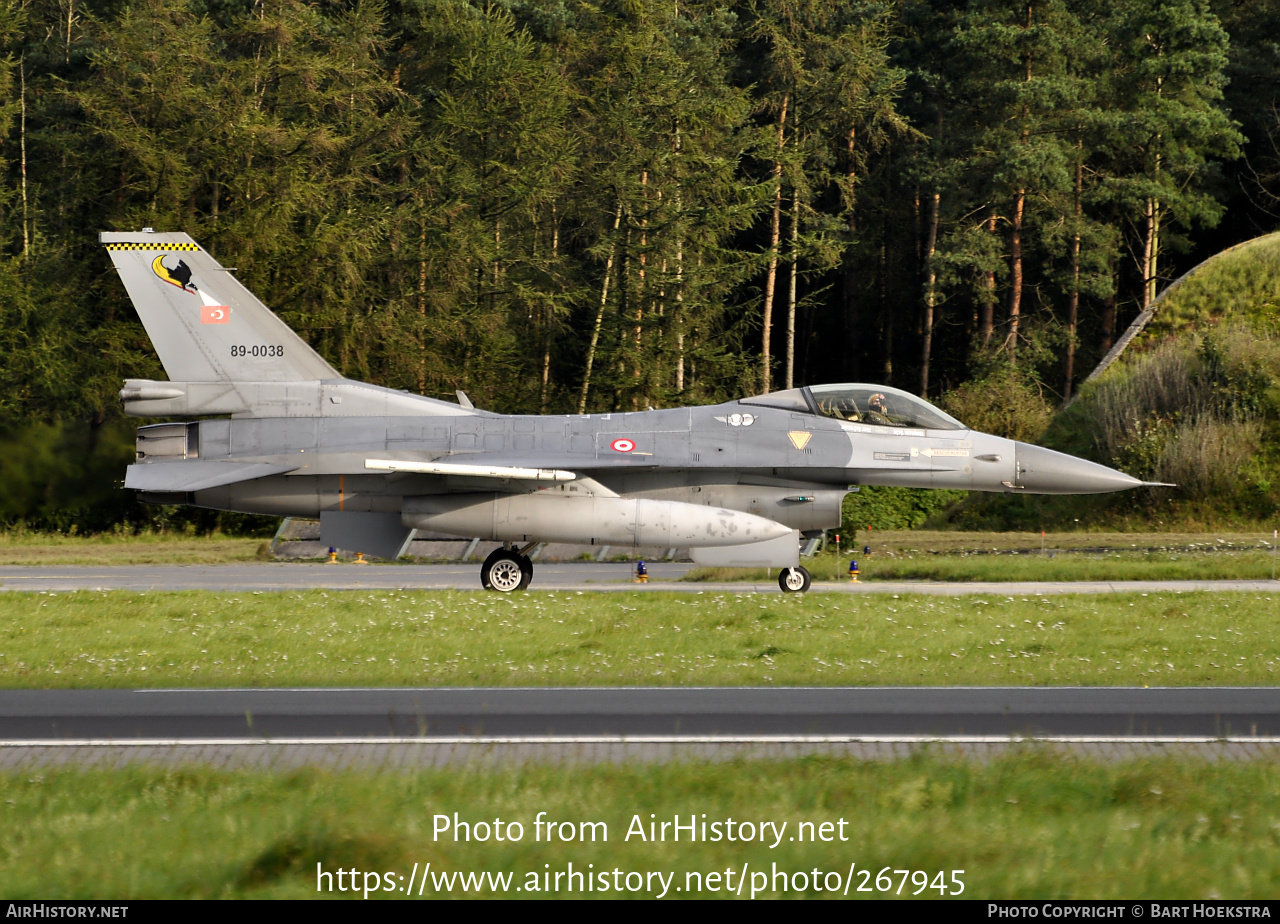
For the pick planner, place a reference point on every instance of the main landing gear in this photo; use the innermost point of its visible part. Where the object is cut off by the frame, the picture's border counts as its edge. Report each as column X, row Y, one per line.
column 506, row 569
column 794, row 580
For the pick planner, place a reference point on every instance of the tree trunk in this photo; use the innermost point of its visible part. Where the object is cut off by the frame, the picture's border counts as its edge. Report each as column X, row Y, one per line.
column 886, row 315
column 1155, row 250
column 604, row 301
column 1015, row 246
column 888, row 347
column 918, row 237
column 22, row 142
column 638, row 316
column 679, row 318
column 497, row 252
column 1151, row 253
column 930, row 292
column 422, row 307
column 1109, row 310
column 1073, row 299
column 770, row 280
column 549, row 324
column 988, row 307
column 624, row 303
column 850, row 270
column 1015, row 275
column 791, row 297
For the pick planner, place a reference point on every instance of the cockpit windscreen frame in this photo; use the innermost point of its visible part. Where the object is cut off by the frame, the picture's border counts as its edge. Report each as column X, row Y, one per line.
column 875, row 405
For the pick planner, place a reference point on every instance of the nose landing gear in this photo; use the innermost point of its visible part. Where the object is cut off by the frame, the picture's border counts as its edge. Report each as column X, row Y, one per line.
column 506, row 569
column 794, row 580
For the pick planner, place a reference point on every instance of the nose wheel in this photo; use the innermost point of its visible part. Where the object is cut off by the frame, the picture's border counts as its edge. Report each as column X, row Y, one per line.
column 794, row 580
column 506, row 570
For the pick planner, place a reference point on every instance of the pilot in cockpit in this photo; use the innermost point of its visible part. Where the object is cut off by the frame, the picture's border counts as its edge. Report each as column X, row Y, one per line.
column 877, row 411
column 845, row 407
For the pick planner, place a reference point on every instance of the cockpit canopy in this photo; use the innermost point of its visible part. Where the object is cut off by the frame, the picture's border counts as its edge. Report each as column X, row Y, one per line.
column 877, row 405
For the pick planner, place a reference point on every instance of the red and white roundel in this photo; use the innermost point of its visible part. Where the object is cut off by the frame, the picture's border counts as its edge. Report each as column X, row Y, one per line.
column 623, row 445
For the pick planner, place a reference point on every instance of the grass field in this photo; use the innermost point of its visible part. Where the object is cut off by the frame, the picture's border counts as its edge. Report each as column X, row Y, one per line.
column 932, row 555
column 144, row 549
column 1243, row 282
column 1032, row 566
column 1028, row 825
column 399, row 638
column 959, row 542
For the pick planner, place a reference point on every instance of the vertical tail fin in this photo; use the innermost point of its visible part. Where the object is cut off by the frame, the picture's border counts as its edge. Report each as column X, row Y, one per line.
column 205, row 325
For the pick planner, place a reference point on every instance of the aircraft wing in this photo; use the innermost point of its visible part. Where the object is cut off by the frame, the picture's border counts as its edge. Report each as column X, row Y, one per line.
column 503, row 472
column 165, row 477
column 550, row 467
column 501, row 476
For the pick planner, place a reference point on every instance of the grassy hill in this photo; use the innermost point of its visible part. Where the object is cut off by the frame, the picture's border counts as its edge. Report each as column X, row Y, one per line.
column 1193, row 400
column 1242, row 282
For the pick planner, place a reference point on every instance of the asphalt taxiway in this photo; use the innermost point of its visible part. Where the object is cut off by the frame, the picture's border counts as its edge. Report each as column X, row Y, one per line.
column 620, row 712
column 562, row 576
column 444, row 727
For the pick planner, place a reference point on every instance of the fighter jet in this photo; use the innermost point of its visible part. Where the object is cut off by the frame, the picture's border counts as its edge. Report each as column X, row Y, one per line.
column 281, row 432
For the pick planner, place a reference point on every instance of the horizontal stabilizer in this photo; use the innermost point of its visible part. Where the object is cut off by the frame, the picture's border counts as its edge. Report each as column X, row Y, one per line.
column 165, row 477
column 473, row 471
column 783, row 552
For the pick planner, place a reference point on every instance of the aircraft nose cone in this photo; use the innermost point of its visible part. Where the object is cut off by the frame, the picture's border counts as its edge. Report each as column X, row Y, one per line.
column 1043, row 471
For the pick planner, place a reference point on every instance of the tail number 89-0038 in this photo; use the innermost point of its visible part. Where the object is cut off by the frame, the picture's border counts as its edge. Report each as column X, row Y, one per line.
column 262, row 350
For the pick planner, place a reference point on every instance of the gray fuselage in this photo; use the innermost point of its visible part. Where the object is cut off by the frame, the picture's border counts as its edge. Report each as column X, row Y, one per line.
column 790, row 467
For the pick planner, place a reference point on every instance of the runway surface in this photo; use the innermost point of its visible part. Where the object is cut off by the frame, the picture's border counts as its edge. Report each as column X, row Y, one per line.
column 563, row 576
column 34, row 716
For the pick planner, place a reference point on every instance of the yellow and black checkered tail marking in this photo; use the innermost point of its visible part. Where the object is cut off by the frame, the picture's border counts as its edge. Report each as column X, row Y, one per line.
column 153, row 247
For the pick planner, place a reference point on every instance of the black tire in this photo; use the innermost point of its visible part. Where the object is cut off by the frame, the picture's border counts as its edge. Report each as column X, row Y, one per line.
column 794, row 580
column 503, row 572
column 526, row 571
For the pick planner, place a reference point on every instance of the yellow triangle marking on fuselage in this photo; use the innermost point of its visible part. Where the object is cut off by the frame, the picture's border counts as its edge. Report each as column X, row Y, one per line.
column 799, row 438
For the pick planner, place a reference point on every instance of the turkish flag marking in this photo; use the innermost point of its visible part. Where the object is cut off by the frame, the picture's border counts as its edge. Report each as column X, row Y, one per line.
column 215, row 314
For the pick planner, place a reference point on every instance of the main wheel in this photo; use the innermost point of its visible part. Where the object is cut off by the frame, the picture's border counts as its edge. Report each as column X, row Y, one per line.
column 526, row 571
column 794, row 580
column 502, row 571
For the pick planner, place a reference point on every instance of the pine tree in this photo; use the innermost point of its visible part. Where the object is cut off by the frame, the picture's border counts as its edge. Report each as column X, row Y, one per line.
column 1165, row 124
column 1016, row 55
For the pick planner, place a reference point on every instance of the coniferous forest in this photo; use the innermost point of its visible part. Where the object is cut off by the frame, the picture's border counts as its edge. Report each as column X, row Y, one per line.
column 565, row 206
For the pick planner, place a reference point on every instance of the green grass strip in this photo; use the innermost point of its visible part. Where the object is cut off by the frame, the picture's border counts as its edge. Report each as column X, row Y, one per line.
column 146, row 549
column 444, row 638
column 1026, row 825
column 1025, row 566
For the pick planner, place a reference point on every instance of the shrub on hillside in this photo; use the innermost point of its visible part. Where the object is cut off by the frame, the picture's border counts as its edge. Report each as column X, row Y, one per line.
column 1242, row 368
column 1201, row 411
column 1205, row 455
column 1005, row 401
column 894, row 508
column 1136, row 410
column 1190, row 413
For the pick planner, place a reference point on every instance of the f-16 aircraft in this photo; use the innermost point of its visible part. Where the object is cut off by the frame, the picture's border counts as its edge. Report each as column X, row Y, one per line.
column 283, row 433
